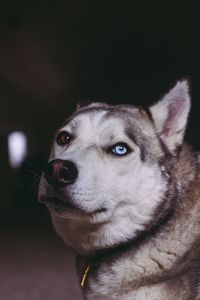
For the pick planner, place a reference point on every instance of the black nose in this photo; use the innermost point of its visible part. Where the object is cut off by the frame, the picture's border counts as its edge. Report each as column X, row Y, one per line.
column 60, row 172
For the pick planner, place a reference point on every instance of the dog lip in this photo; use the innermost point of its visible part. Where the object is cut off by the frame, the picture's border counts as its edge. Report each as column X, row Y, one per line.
column 58, row 203
column 97, row 211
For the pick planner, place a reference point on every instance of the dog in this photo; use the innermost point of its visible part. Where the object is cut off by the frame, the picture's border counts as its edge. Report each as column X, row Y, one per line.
column 123, row 190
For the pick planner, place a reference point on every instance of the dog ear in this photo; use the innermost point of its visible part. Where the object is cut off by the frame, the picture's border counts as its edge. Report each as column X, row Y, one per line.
column 170, row 115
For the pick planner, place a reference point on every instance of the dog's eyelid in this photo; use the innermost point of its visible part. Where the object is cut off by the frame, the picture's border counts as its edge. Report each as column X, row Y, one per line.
column 126, row 146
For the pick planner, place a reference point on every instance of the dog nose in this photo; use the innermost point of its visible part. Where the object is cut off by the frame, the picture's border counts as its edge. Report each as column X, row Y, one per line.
column 60, row 172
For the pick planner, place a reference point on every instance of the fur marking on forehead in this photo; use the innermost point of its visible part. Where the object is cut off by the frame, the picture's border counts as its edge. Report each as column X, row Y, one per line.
column 106, row 107
column 124, row 118
column 113, row 126
column 122, row 112
column 109, row 120
column 90, row 120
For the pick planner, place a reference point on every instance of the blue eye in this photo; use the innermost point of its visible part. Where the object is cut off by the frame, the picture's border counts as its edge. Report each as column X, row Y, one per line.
column 120, row 149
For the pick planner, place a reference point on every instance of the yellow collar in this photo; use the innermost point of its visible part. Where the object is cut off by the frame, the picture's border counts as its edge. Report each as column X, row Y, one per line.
column 84, row 277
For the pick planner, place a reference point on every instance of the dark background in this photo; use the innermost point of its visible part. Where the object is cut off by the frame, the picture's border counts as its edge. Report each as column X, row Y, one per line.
column 54, row 54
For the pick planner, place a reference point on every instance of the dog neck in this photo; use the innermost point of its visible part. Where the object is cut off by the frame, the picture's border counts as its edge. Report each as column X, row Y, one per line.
column 94, row 260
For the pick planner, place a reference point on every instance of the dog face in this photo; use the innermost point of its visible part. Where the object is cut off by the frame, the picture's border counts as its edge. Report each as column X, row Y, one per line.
column 105, row 180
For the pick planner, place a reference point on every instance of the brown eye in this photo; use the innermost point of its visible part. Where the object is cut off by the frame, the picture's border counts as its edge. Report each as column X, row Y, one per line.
column 63, row 138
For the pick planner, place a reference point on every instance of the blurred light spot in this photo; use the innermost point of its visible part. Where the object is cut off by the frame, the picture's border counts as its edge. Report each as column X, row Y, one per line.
column 17, row 148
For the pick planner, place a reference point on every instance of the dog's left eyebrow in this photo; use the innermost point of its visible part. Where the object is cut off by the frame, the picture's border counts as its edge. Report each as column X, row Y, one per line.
column 138, row 139
column 130, row 133
column 67, row 121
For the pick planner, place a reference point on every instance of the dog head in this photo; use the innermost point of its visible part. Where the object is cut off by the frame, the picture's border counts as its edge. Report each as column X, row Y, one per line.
column 106, row 176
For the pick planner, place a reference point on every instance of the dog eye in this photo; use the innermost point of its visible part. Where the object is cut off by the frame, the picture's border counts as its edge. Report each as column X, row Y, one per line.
column 63, row 138
column 121, row 149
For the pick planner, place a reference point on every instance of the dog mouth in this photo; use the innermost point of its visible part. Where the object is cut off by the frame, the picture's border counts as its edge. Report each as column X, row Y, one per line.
column 58, row 204
column 61, row 206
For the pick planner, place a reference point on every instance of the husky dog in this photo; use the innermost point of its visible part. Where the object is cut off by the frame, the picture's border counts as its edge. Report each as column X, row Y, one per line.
column 123, row 191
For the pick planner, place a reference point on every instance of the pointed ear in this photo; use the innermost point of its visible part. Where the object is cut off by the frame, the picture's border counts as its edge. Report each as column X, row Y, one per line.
column 170, row 115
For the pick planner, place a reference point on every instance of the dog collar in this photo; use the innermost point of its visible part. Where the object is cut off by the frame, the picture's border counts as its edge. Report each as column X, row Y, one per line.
column 84, row 277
